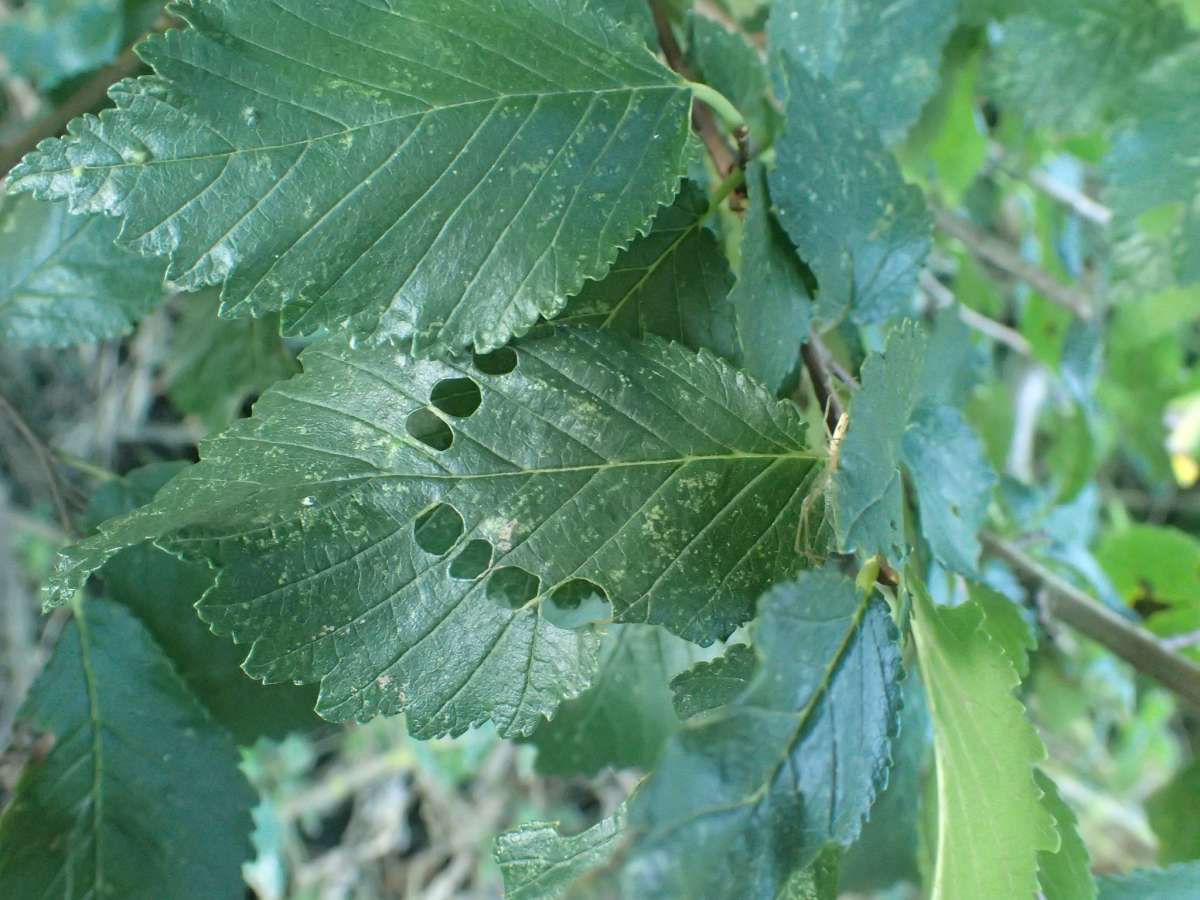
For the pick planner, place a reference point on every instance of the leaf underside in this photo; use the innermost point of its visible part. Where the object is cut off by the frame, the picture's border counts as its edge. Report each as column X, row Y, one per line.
column 449, row 169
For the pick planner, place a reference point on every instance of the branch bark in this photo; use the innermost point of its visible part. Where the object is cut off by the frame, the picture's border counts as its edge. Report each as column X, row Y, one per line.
column 997, row 252
column 816, row 362
column 703, row 118
column 1135, row 645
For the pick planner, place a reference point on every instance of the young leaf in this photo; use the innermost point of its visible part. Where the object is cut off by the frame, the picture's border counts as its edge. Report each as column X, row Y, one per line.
column 453, row 170
column 1173, row 883
column 141, row 796
column 881, row 57
column 393, row 527
column 674, row 283
column 747, row 794
column 162, row 592
column 992, row 825
column 1068, row 64
column 216, row 364
column 771, row 298
column 63, row 281
column 840, row 196
column 1067, row 873
column 538, row 863
column 626, row 716
column 897, row 420
column 709, row 685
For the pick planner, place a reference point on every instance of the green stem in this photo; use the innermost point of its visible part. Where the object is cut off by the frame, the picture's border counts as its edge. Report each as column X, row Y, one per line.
column 82, row 465
column 729, row 115
column 731, row 183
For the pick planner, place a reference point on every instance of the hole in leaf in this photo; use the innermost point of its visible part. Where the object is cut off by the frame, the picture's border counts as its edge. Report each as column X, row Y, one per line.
column 458, row 397
column 473, row 561
column 498, row 362
column 428, row 428
column 577, row 603
column 438, row 529
column 512, row 588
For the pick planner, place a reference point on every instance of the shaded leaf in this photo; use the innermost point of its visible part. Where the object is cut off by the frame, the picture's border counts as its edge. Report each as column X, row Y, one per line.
column 162, row 591
column 48, row 41
column 881, row 56
column 449, row 169
column 772, row 300
column 992, row 825
column 1153, row 177
column 747, row 794
column 896, row 420
column 667, row 480
column 674, row 283
column 538, row 863
column 838, row 193
column 1068, row 64
column 1067, row 873
column 62, row 280
column 709, row 685
column 216, row 364
column 141, row 796
column 626, row 716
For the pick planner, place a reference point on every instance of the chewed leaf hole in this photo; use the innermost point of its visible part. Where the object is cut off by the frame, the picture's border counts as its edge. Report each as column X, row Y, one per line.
column 472, row 561
column 428, row 428
column 512, row 588
column 498, row 362
column 577, row 603
column 438, row 529
column 457, row 397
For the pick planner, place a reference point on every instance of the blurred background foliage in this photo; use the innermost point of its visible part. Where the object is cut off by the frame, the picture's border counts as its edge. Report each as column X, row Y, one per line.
column 1094, row 425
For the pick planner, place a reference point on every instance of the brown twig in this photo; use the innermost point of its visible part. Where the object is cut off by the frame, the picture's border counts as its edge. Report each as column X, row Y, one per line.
column 1135, row 645
column 45, row 458
column 703, row 118
column 816, row 362
column 997, row 252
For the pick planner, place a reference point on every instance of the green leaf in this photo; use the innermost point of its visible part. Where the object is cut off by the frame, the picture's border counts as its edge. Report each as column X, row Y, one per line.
column 538, row 863
column 665, row 482
column 48, row 41
column 896, row 420
column 1068, row 64
column 709, row 685
column 839, row 194
column 674, row 283
column 1067, row 873
column 1172, row 814
column 1151, row 172
column 1153, row 566
column 215, row 365
column 626, row 716
column 771, row 297
column 1174, row 883
column 162, row 592
column 882, row 58
column 62, row 281
column 728, row 62
column 886, row 851
column 1006, row 627
column 992, row 825
column 449, row 169
column 141, row 796
column 747, row 794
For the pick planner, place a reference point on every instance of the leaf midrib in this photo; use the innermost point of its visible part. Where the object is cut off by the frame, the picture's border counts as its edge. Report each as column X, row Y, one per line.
column 308, row 142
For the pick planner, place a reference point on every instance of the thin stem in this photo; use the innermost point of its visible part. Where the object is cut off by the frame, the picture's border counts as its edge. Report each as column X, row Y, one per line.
column 1000, row 254
column 1135, row 645
column 45, row 458
column 703, row 118
column 729, row 114
column 943, row 298
column 815, row 361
